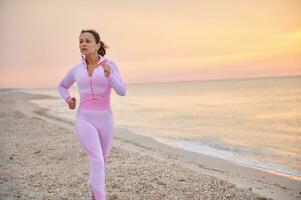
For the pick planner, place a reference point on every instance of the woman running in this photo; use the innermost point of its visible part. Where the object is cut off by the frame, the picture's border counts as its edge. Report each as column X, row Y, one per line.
column 95, row 76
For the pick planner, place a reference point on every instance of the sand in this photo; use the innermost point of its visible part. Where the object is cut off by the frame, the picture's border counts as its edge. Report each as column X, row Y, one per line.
column 42, row 159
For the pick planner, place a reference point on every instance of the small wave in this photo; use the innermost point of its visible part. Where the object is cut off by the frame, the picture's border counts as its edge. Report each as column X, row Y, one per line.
column 227, row 153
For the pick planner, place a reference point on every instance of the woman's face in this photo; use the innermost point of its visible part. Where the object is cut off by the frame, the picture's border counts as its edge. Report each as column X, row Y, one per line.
column 87, row 44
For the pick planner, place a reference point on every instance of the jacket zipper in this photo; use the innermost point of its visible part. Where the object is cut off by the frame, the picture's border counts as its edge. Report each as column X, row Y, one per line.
column 90, row 80
column 91, row 85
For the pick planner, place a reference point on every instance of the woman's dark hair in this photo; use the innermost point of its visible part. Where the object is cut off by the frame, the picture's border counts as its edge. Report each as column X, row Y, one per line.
column 103, row 46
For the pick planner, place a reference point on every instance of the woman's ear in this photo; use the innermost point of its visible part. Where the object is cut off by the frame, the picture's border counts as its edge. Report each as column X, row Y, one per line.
column 98, row 46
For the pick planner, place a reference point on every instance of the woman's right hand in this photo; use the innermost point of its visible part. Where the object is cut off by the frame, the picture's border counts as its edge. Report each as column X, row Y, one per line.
column 72, row 103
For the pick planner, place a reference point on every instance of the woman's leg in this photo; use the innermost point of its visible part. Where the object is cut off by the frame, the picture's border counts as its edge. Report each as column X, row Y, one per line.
column 89, row 138
column 106, row 134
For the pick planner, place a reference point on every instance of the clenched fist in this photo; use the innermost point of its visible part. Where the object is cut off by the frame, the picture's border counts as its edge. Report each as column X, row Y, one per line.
column 107, row 69
column 72, row 103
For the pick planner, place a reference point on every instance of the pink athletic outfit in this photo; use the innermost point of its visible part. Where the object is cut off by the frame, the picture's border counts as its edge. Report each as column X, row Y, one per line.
column 94, row 119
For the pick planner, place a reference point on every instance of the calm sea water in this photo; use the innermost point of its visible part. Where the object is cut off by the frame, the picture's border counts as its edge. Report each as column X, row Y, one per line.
column 253, row 122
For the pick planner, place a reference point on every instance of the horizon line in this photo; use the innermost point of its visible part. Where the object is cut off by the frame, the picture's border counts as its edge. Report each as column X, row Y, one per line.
column 167, row 82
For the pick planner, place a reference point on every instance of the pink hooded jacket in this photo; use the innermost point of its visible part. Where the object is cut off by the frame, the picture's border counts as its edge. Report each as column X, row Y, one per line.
column 94, row 90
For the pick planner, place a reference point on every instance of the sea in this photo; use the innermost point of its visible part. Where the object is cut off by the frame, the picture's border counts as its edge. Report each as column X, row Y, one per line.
column 255, row 122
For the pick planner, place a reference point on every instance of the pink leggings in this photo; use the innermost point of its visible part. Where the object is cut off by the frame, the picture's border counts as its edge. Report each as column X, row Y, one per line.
column 95, row 131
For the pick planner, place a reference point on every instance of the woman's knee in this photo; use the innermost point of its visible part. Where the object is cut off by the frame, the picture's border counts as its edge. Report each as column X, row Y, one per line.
column 97, row 163
column 97, row 169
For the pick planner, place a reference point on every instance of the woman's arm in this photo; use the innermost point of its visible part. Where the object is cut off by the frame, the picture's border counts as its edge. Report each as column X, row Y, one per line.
column 115, row 79
column 65, row 84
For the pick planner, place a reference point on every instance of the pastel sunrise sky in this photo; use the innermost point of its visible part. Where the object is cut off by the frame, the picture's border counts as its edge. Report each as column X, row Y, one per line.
column 151, row 41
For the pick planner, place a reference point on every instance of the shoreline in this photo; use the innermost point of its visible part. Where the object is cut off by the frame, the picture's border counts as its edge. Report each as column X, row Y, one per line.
column 286, row 175
column 250, row 179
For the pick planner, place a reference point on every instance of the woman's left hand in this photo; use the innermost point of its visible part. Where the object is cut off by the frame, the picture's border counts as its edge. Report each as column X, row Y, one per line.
column 107, row 69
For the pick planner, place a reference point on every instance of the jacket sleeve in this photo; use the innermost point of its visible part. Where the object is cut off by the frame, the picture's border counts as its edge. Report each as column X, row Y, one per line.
column 65, row 84
column 115, row 79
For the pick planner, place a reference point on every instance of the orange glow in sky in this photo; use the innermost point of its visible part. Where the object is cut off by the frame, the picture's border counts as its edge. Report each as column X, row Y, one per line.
column 151, row 41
